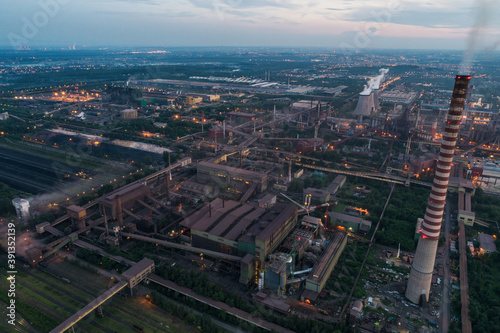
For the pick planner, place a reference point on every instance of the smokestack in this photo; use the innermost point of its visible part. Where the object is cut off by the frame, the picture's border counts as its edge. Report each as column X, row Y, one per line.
column 167, row 186
column 106, row 221
column 420, row 279
column 119, row 211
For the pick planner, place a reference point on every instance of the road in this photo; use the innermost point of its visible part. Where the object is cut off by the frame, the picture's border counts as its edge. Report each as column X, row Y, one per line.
column 445, row 298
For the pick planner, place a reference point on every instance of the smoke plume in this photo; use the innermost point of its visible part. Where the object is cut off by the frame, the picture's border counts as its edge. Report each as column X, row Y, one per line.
column 482, row 17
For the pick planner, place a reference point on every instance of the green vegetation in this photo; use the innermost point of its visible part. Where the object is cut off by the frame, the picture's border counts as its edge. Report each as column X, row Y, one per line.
column 485, row 206
column 40, row 320
column 6, row 196
column 97, row 259
column 203, row 322
column 484, row 292
column 398, row 225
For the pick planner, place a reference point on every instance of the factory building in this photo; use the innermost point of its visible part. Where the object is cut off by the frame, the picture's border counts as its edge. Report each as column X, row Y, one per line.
column 139, row 272
column 317, row 196
column 336, row 185
column 239, row 229
column 128, row 114
column 486, row 243
column 192, row 100
column 123, row 201
column 349, row 222
column 233, row 177
column 465, row 214
column 317, row 278
column 306, row 146
column 396, row 96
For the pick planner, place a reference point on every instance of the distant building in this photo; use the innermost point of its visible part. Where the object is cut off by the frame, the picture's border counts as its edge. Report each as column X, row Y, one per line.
column 235, row 229
column 337, row 184
column 349, row 222
column 486, row 243
column 268, row 201
column 191, row 100
column 231, row 176
column 317, row 278
column 139, row 272
column 129, row 114
column 396, row 96
column 317, row 196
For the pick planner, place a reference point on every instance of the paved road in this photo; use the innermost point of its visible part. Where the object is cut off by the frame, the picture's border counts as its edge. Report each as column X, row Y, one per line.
column 445, row 298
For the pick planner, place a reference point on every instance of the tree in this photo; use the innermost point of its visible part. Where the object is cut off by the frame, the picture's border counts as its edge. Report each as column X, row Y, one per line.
column 148, row 160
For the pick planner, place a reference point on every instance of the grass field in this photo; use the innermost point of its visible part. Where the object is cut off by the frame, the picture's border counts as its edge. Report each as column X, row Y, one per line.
column 59, row 300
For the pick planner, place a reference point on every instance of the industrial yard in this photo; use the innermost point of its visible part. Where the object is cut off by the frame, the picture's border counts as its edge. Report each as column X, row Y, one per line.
column 215, row 204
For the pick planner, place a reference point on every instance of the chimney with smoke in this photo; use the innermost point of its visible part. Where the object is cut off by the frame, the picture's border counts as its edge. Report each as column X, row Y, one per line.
column 420, row 279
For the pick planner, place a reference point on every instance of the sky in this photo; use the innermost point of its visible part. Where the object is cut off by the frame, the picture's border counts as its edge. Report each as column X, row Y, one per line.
column 345, row 24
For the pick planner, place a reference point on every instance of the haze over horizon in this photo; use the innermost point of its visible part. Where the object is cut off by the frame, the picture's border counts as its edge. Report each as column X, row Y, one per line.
column 362, row 24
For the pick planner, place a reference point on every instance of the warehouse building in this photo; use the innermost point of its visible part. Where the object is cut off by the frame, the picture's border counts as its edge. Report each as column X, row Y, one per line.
column 349, row 222
column 317, row 196
column 317, row 278
column 336, row 185
column 239, row 229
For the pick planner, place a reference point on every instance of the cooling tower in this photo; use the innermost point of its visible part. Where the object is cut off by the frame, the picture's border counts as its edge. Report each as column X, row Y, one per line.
column 420, row 279
column 376, row 101
column 365, row 104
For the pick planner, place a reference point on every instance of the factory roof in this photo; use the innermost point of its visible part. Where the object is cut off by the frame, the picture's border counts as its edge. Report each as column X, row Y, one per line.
column 74, row 208
column 126, row 191
column 241, row 114
column 487, row 242
column 466, row 212
column 268, row 197
column 316, row 192
column 348, row 218
column 247, row 259
column 231, row 218
column 461, row 182
column 321, row 268
column 208, row 221
column 244, row 223
column 284, row 211
column 138, row 268
column 310, row 295
column 198, row 215
column 228, row 169
column 340, row 179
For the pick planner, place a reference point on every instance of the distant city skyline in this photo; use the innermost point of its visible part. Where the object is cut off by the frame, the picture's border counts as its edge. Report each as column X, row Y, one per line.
column 409, row 24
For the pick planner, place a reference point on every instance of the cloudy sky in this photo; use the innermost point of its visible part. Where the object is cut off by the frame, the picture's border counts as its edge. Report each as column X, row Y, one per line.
column 424, row 24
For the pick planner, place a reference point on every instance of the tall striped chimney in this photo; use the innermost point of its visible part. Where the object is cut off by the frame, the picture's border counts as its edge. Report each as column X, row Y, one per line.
column 420, row 279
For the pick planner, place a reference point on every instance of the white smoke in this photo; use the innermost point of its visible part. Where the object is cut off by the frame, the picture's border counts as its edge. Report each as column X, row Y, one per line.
column 375, row 82
column 367, row 91
column 482, row 17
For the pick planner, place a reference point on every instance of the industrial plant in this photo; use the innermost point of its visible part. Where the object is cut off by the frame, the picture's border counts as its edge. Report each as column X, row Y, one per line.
column 314, row 195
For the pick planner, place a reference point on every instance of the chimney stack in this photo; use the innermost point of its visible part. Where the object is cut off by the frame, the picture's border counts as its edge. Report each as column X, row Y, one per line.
column 420, row 279
column 119, row 212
